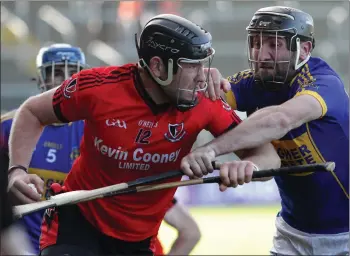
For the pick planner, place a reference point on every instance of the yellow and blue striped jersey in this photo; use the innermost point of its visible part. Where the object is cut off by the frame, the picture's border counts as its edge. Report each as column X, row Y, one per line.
column 52, row 159
column 316, row 202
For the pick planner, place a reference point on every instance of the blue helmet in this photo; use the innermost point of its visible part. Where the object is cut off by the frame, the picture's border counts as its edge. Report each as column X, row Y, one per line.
column 57, row 63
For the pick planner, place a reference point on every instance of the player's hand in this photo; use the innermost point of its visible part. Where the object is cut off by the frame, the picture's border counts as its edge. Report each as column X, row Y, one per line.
column 235, row 173
column 198, row 162
column 20, row 189
column 216, row 83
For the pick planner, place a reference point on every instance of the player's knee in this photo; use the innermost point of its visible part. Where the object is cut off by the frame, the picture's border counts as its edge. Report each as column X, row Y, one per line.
column 193, row 233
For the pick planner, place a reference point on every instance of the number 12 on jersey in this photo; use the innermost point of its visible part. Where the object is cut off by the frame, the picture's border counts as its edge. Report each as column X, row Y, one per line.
column 143, row 136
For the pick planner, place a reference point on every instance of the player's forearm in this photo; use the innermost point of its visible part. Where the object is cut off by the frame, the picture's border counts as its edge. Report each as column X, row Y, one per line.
column 25, row 132
column 265, row 157
column 262, row 127
column 184, row 244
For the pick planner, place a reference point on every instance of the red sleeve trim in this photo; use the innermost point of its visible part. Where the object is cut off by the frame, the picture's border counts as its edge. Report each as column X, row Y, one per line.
column 236, row 121
column 59, row 115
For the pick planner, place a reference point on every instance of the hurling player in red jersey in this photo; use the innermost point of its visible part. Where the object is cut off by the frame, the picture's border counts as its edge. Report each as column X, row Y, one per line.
column 188, row 231
column 140, row 120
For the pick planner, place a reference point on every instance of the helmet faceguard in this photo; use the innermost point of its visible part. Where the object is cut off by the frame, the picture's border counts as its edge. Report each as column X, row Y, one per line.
column 58, row 63
column 53, row 74
column 177, row 40
column 273, row 24
column 188, row 97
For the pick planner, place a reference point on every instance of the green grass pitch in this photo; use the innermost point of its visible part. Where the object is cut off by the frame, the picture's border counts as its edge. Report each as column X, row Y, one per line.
column 231, row 230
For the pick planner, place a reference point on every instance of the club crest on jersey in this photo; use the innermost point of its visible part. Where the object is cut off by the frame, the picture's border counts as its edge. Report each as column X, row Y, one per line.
column 175, row 132
column 75, row 153
column 70, row 88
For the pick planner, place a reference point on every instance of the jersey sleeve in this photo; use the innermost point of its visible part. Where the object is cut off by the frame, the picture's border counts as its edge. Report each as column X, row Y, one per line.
column 222, row 118
column 75, row 98
column 239, row 97
column 329, row 91
column 4, row 137
column 5, row 128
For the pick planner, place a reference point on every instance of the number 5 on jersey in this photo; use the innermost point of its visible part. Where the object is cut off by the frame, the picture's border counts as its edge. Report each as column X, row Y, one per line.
column 143, row 136
column 51, row 155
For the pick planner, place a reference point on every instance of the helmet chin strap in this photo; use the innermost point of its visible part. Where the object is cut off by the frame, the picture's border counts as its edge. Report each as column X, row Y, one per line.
column 184, row 107
column 166, row 82
column 298, row 65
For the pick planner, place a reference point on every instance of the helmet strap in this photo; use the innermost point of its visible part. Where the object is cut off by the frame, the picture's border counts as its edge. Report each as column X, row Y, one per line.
column 298, row 65
column 166, row 82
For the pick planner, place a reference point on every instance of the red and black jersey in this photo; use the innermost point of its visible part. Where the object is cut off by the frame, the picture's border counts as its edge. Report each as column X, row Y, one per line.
column 127, row 136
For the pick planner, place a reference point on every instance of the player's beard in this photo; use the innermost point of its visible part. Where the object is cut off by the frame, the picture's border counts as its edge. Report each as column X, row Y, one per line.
column 278, row 74
column 275, row 77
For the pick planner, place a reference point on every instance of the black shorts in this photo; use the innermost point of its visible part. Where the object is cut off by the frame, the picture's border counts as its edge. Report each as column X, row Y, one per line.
column 71, row 234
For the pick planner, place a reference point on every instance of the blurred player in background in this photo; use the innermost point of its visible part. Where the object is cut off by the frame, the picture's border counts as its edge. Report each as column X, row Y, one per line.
column 140, row 120
column 59, row 144
column 188, row 233
column 300, row 104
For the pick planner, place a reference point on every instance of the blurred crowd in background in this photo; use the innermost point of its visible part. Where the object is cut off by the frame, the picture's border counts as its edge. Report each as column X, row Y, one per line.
column 105, row 32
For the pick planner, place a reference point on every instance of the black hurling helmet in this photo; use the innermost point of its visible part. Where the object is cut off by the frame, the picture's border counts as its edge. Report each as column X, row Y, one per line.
column 280, row 21
column 175, row 40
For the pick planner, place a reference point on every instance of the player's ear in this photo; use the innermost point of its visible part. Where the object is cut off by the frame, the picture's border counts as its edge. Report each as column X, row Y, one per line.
column 305, row 49
column 156, row 66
